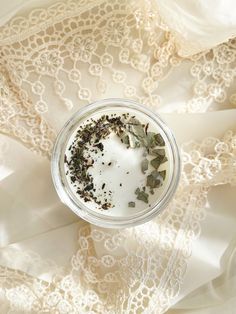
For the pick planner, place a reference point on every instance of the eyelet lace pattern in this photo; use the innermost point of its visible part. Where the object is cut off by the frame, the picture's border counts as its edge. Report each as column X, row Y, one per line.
column 60, row 58
column 91, row 48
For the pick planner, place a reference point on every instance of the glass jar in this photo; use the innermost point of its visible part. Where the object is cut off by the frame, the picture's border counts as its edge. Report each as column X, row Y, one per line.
column 101, row 218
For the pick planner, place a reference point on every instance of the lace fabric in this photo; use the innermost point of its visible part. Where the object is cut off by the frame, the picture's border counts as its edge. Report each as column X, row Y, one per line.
column 71, row 54
column 126, row 278
column 65, row 56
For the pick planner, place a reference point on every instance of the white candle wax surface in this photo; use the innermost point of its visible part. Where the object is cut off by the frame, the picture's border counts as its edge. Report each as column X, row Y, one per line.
column 116, row 170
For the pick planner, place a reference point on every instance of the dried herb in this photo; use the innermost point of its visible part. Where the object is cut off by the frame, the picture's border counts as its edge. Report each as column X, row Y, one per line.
column 158, row 152
column 133, row 141
column 133, row 134
column 89, row 187
column 125, row 138
column 136, row 128
column 106, row 205
column 163, row 174
column 88, row 138
column 159, row 140
column 146, row 128
column 155, row 179
column 131, row 204
column 150, row 140
column 143, row 196
column 144, row 165
column 156, row 162
column 100, row 146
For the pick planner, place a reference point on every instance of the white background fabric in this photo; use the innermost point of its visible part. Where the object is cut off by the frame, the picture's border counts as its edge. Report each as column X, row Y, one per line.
column 34, row 223
column 200, row 24
column 50, row 220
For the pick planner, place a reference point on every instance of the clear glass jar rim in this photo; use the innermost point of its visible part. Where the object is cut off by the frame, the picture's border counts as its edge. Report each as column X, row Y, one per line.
column 82, row 211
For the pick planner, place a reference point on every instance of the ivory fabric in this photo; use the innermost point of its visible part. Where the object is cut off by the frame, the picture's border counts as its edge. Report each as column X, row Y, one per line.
column 59, row 56
column 199, row 25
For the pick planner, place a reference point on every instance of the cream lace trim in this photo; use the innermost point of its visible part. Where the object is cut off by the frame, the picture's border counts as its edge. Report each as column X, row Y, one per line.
column 39, row 19
column 73, row 53
column 60, row 58
column 140, row 269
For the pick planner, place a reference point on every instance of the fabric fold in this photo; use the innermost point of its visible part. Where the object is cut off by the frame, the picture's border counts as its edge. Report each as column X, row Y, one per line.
column 198, row 25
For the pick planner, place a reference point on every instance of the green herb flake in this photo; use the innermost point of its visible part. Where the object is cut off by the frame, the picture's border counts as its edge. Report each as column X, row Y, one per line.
column 133, row 141
column 163, row 174
column 137, row 130
column 164, row 160
column 155, row 179
column 158, row 152
column 144, row 165
column 131, row 204
column 134, row 121
column 133, row 134
column 150, row 140
column 125, row 139
column 159, row 140
column 142, row 196
column 156, row 162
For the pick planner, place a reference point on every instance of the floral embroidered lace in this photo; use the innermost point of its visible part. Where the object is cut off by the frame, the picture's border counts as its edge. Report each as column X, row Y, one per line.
column 57, row 59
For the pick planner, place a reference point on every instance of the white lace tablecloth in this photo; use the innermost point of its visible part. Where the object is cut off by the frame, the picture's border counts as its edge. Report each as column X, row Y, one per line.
column 59, row 56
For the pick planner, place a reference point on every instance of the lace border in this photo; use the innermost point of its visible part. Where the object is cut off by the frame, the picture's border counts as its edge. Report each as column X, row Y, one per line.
column 39, row 19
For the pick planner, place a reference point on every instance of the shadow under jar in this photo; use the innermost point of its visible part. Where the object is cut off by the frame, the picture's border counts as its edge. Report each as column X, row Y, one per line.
column 115, row 164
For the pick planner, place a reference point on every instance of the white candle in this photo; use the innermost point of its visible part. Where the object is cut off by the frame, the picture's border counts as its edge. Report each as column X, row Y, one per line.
column 117, row 171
